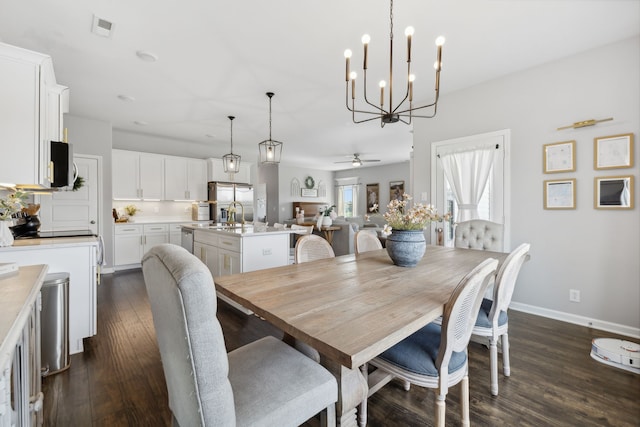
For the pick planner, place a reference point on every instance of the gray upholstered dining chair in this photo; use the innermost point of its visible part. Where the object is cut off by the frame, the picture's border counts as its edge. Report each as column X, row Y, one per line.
column 479, row 234
column 436, row 355
column 492, row 320
column 311, row 247
column 367, row 241
column 264, row 383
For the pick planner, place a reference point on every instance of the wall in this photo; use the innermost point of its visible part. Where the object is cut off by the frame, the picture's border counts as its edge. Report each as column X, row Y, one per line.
column 93, row 137
column 380, row 175
column 594, row 251
column 287, row 173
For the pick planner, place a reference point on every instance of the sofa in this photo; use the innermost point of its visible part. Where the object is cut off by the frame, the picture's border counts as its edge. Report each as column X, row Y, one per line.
column 375, row 222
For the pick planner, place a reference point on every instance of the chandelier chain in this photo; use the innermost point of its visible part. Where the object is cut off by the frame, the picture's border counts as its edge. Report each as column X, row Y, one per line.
column 391, row 19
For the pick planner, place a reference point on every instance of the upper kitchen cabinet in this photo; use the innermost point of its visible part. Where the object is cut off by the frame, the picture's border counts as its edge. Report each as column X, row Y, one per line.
column 185, row 178
column 215, row 172
column 30, row 115
column 137, row 175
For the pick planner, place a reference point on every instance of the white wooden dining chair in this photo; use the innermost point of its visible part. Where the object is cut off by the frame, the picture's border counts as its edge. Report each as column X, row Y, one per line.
column 367, row 240
column 311, row 247
column 492, row 320
column 436, row 356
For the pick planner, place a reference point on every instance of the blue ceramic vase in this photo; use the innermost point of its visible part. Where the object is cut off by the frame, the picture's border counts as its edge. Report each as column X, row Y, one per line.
column 406, row 247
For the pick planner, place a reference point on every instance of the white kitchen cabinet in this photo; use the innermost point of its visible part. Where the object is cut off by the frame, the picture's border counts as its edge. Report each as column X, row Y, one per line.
column 175, row 234
column 76, row 256
column 137, row 175
column 154, row 234
column 127, row 244
column 208, row 254
column 215, row 172
column 28, row 89
column 185, row 178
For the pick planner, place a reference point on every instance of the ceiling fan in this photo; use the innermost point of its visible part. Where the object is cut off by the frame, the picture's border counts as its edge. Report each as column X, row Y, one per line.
column 356, row 161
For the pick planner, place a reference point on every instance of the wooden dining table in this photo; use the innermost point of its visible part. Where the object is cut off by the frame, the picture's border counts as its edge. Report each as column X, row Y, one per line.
column 351, row 308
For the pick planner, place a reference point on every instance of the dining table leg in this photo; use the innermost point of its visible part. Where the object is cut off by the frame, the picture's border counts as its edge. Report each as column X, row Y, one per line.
column 352, row 390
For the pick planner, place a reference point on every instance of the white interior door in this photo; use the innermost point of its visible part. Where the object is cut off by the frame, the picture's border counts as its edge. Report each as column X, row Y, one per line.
column 74, row 210
column 496, row 201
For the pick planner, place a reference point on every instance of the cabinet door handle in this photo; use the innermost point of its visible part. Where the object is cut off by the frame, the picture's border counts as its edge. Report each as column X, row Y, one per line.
column 50, row 171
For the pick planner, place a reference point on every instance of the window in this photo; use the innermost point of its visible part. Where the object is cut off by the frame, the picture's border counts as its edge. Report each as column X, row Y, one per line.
column 347, row 200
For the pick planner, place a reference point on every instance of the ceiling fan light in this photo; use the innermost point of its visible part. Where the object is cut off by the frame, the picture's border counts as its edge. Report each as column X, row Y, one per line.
column 356, row 163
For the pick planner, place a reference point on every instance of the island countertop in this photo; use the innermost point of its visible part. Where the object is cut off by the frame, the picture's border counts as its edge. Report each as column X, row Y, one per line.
column 247, row 230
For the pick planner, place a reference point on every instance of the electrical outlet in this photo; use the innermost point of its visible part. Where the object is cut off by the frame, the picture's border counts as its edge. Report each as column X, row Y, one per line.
column 574, row 295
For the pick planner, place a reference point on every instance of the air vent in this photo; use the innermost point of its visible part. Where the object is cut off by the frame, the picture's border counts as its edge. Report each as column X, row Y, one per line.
column 101, row 27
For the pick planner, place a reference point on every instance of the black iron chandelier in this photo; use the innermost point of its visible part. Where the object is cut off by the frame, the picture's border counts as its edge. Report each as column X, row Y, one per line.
column 391, row 114
column 231, row 162
column 270, row 150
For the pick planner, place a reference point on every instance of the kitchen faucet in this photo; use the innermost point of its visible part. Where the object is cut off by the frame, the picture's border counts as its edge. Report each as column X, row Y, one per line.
column 241, row 209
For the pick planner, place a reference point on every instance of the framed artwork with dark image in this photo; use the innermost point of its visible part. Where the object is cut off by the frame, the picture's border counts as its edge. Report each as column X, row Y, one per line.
column 396, row 190
column 613, row 192
column 373, row 196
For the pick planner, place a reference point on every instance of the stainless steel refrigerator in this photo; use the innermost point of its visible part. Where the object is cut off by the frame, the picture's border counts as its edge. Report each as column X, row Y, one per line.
column 226, row 192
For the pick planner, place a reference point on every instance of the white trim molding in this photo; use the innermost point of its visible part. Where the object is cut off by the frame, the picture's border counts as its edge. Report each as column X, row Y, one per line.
column 577, row 320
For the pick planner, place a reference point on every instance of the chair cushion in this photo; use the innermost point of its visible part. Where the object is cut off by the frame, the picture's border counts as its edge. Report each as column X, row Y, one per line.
column 418, row 352
column 483, row 315
column 275, row 385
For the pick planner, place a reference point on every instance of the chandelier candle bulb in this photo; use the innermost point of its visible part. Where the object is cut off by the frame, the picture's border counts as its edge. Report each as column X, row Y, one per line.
column 408, row 32
column 382, row 85
column 365, row 41
column 347, row 55
column 353, row 87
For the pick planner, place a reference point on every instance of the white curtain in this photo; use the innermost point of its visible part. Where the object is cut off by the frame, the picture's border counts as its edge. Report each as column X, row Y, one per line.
column 467, row 173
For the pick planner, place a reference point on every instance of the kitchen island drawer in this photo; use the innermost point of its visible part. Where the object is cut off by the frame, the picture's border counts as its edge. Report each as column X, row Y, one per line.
column 229, row 243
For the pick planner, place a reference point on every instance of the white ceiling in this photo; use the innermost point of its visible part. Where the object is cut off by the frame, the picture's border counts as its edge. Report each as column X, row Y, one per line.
column 217, row 59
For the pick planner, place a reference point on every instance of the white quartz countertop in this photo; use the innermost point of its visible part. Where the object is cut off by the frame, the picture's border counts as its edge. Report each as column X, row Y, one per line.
column 18, row 292
column 57, row 242
column 161, row 221
column 239, row 230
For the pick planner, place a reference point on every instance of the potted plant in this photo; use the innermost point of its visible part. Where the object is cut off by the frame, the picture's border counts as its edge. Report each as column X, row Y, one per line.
column 327, row 219
column 405, row 226
column 131, row 210
column 9, row 205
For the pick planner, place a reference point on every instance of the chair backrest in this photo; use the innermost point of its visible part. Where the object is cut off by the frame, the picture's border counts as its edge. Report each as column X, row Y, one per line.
column 480, row 234
column 460, row 314
column 302, row 229
column 311, row 248
column 367, row 241
column 194, row 358
column 506, row 280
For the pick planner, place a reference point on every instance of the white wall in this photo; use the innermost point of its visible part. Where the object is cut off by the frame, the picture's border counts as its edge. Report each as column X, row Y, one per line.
column 380, row 175
column 286, row 175
column 594, row 251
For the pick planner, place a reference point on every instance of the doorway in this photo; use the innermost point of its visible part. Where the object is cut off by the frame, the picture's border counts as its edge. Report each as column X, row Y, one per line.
column 495, row 201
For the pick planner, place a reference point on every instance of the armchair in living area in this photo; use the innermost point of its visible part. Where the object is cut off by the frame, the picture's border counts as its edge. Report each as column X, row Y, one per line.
column 264, row 383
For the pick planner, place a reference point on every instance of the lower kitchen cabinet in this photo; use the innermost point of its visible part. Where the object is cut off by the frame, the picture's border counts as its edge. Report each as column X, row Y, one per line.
column 132, row 241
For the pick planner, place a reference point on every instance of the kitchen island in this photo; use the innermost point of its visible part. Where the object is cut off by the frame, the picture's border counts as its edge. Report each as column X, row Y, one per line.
column 230, row 249
column 77, row 256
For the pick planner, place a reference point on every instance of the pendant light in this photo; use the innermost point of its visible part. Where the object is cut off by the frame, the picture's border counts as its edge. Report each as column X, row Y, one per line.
column 231, row 162
column 270, row 150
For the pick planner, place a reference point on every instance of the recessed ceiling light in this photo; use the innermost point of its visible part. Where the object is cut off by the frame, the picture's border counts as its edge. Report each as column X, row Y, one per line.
column 147, row 56
column 141, row 123
column 126, row 98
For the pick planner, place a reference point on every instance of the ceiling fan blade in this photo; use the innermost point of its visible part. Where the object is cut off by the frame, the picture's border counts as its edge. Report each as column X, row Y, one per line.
column 366, row 161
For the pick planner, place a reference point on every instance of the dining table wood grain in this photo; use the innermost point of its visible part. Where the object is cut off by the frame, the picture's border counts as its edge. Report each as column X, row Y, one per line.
column 353, row 307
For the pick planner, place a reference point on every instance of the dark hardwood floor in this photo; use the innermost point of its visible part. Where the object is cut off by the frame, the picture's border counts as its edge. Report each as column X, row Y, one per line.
column 118, row 380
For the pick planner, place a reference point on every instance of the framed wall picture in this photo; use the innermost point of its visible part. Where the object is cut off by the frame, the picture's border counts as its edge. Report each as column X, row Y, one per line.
column 613, row 192
column 613, row 152
column 559, row 157
column 373, row 196
column 560, row 194
column 309, row 192
column 396, row 190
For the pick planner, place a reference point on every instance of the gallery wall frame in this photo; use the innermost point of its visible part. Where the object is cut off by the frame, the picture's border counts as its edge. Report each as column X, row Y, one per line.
column 559, row 157
column 613, row 192
column 613, row 152
column 373, row 196
column 560, row 194
column 396, row 190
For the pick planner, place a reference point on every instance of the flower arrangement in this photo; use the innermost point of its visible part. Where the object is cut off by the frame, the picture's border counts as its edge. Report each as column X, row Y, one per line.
column 417, row 217
column 131, row 210
column 327, row 211
column 11, row 204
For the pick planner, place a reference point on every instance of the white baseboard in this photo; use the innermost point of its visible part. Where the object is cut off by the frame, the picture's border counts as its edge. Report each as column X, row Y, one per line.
column 577, row 320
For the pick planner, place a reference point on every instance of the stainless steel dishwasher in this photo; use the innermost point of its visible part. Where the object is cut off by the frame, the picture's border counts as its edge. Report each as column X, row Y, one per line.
column 187, row 239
